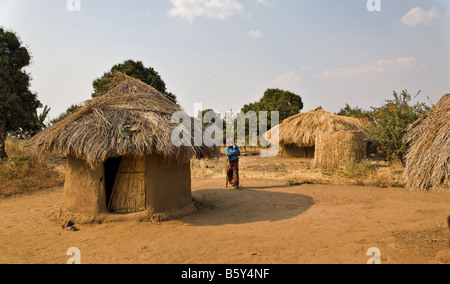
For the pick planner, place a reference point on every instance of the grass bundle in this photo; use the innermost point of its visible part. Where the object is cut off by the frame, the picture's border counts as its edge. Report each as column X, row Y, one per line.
column 334, row 149
column 428, row 149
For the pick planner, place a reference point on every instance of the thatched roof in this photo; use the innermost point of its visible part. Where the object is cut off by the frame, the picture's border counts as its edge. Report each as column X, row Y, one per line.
column 93, row 133
column 428, row 154
column 300, row 129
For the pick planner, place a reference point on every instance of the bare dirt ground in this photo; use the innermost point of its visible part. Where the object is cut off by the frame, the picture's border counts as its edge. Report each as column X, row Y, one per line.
column 268, row 222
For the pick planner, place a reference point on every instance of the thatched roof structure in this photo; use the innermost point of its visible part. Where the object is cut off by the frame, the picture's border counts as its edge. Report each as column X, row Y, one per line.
column 300, row 130
column 93, row 133
column 428, row 154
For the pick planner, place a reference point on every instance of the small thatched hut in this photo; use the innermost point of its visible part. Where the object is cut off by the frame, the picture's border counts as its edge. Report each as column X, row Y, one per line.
column 298, row 133
column 428, row 149
column 120, row 156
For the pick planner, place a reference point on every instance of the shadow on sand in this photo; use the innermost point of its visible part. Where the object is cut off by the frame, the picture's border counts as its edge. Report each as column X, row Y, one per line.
column 218, row 207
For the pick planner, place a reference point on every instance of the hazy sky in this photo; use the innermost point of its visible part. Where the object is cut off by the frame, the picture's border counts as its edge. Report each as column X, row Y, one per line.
column 226, row 53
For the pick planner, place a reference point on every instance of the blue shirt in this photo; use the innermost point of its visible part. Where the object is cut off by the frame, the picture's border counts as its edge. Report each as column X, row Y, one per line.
column 230, row 150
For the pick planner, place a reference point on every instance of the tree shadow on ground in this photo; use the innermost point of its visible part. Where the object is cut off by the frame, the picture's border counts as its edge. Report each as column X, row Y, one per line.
column 218, row 207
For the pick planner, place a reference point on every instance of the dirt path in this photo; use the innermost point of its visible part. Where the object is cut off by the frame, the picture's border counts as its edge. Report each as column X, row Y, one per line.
column 268, row 222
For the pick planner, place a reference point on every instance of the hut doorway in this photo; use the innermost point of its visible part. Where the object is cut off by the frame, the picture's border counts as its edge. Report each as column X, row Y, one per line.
column 111, row 169
column 128, row 190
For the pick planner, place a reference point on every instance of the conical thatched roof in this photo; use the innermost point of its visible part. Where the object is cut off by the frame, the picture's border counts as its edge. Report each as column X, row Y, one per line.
column 93, row 133
column 428, row 155
column 300, row 129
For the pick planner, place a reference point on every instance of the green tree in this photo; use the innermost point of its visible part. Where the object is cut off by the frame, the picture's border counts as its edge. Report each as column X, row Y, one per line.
column 135, row 69
column 285, row 102
column 212, row 115
column 356, row 112
column 391, row 122
column 40, row 118
column 17, row 103
column 73, row 108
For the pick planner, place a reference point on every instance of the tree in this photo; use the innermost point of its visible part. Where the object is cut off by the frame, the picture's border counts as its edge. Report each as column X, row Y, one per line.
column 285, row 102
column 209, row 117
column 135, row 69
column 356, row 112
column 73, row 108
column 212, row 115
column 40, row 118
column 17, row 103
column 391, row 122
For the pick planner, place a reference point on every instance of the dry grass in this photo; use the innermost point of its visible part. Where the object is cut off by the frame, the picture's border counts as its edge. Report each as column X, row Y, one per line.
column 297, row 171
column 428, row 154
column 94, row 132
column 369, row 173
column 301, row 129
column 25, row 173
column 334, row 149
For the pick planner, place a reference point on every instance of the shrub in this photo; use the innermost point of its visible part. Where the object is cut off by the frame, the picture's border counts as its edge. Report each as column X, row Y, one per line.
column 359, row 169
column 390, row 124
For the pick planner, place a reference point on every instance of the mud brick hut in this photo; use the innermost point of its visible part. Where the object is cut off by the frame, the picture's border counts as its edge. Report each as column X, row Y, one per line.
column 120, row 156
column 428, row 149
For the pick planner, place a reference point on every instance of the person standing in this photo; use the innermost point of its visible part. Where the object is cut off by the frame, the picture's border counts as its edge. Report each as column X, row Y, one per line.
column 232, row 172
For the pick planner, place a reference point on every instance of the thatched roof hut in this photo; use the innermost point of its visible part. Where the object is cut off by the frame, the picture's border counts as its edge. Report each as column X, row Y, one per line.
column 298, row 133
column 93, row 132
column 428, row 149
column 120, row 156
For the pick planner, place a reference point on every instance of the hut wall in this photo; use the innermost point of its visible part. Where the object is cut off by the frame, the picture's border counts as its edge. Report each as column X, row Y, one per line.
column 168, row 185
column 298, row 152
column 339, row 148
column 84, row 189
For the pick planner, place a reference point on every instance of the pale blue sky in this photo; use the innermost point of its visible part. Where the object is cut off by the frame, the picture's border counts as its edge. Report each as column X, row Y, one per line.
column 226, row 53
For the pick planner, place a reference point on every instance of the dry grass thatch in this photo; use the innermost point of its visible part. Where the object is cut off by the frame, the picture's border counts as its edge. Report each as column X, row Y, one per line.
column 300, row 130
column 334, row 149
column 428, row 155
column 93, row 132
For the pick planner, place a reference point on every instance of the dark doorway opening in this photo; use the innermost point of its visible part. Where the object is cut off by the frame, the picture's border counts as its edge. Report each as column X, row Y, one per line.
column 111, row 169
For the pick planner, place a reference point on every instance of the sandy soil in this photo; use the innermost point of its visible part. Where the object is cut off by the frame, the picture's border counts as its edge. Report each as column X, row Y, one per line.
column 267, row 222
column 296, row 169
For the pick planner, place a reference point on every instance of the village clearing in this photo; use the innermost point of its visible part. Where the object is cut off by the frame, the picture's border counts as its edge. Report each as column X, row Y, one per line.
column 272, row 220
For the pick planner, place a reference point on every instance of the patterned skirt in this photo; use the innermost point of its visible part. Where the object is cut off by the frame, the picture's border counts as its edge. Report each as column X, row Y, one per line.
column 233, row 173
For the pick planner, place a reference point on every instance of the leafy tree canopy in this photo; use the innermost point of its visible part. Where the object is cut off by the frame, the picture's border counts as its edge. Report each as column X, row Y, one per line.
column 391, row 121
column 285, row 102
column 18, row 104
column 356, row 112
column 135, row 69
